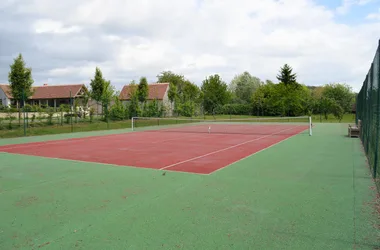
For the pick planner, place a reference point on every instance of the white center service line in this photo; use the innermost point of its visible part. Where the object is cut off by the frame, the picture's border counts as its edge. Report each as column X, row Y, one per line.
column 223, row 149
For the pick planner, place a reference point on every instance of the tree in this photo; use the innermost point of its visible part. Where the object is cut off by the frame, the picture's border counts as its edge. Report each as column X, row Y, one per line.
column 172, row 94
column 20, row 80
column 243, row 86
column 341, row 93
column 133, row 108
column 170, row 77
column 85, row 100
column 108, row 93
column 183, row 92
column 143, row 90
column 215, row 93
column 286, row 76
column 97, row 85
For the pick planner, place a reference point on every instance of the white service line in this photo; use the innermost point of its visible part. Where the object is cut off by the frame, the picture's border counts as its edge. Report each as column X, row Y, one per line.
column 223, row 149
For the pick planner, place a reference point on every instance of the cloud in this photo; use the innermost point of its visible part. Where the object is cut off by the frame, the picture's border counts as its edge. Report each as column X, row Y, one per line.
column 347, row 4
column 51, row 26
column 374, row 16
column 63, row 41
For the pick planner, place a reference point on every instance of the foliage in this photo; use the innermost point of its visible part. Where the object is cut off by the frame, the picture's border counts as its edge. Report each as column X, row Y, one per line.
column 185, row 109
column 287, row 76
column 338, row 111
column 152, row 109
column 85, row 99
column 108, row 93
column 235, row 109
column 172, row 93
column 215, row 93
column 28, row 108
column 133, row 107
column 20, row 79
column 182, row 92
column 143, row 90
column 92, row 112
column 341, row 93
column 117, row 111
column 243, row 86
column 97, row 85
column 50, row 113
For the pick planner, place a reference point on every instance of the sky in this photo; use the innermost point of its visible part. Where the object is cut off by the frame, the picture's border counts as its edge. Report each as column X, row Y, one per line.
column 324, row 41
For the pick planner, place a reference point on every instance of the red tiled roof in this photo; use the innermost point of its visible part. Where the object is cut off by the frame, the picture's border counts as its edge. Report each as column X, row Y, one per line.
column 6, row 90
column 49, row 91
column 156, row 91
column 56, row 91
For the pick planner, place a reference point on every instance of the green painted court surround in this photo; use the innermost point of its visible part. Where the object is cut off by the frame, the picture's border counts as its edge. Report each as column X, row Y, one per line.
column 304, row 193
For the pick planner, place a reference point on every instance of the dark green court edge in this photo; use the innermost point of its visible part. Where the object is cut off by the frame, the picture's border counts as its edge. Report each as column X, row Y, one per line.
column 304, row 193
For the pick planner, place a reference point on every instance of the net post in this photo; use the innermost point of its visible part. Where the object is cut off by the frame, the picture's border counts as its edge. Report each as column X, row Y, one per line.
column 132, row 125
column 310, row 126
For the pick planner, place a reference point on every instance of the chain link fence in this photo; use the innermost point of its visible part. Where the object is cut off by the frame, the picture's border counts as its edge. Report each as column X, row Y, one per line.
column 368, row 116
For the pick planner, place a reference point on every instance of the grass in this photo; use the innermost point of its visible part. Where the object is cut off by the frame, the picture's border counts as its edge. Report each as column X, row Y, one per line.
column 304, row 193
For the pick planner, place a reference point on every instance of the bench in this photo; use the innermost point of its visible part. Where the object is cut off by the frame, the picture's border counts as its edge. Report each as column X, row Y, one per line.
column 353, row 131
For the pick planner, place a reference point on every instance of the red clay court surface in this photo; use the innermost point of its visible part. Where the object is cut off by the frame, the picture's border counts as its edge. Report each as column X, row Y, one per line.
column 200, row 153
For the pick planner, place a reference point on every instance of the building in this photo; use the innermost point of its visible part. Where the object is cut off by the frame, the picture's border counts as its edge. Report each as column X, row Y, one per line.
column 156, row 91
column 46, row 95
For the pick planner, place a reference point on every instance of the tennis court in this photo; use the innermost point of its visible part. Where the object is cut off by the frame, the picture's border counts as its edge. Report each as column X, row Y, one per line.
column 191, row 146
column 282, row 189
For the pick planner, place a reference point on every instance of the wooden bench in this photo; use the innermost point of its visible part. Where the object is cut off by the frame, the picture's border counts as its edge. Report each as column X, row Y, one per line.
column 353, row 131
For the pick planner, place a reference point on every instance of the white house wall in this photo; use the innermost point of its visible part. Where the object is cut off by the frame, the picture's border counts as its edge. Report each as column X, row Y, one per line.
column 4, row 99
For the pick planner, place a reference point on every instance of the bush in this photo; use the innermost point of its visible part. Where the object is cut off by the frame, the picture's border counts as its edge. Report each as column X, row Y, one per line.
column 50, row 113
column 152, row 109
column 28, row 108
column 117, row 111
column 92, row 112
column 234, row 109
column 185, row 109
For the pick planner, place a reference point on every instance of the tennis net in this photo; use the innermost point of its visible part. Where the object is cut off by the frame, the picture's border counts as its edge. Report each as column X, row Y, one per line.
column 260, row 126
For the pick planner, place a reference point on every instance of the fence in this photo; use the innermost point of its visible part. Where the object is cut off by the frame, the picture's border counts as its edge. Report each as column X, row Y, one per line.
column 368, row 112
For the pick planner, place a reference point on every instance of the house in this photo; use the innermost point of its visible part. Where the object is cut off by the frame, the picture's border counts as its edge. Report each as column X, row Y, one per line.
column 156, row 91
column 47, row 95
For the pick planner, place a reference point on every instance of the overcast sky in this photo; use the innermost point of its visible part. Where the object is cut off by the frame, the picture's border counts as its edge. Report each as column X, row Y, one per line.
column 324, row 41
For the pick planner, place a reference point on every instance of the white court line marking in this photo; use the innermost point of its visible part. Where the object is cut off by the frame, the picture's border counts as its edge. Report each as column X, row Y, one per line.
column 63, row 141
column 101, row 163
column 224, row 149
column 254, row 153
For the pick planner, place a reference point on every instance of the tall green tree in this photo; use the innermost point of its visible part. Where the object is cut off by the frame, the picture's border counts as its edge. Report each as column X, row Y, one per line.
column 107, row 95
column 215, row 93
column 182, row 92
column 286, row 75
column 243, row 86
column 133, row 107
column 171, row 77
column 342, row 94
column 143, row 90
column 172, row 94
column 97, row 85
column 20, row 80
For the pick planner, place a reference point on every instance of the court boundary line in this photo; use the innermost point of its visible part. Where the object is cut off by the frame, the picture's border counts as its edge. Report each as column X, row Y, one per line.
column 100, row 163
column 224, row 149
column 242, row 159
column 68, row 140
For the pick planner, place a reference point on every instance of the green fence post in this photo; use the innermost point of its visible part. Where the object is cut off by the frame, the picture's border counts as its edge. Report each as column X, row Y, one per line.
column 71, row 113
column 23, row 109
